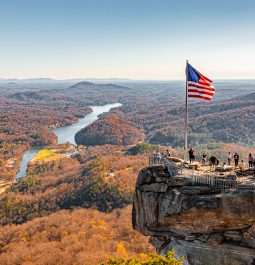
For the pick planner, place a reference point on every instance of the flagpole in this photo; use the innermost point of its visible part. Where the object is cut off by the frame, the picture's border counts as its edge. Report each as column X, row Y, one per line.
column 186, row 117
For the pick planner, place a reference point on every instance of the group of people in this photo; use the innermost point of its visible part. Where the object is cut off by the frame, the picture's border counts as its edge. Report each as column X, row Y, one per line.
column 236, row 159
column 251, row 160
column 157, row 156
column 213, row 161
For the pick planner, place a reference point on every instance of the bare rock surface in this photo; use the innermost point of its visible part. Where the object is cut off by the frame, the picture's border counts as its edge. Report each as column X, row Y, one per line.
column 201, row 223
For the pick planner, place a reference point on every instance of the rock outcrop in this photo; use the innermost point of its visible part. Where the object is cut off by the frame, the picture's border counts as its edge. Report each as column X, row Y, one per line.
column 203, row 224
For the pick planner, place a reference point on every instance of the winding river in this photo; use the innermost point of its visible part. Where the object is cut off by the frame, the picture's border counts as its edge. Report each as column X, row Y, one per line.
column 66, row 134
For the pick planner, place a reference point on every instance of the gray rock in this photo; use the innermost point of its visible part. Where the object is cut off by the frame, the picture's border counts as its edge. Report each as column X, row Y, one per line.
column 248, row 239
column 152, row 174
column 215, row 239
column 203, row 238
column 200, row 223
column 179, row 182
column 190, row 238
column 158, row 242
column 202, row 254
column 191, row 190
column 233, row 235
column 155, row 187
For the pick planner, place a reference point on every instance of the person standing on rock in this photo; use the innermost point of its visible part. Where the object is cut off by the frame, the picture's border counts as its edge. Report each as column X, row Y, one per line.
column 250, row 159
column 229, row 158
column 190, row 155
column 194, row 155
column 203, row 159
column 236, row 159
column 242, row 165
column 154, row 157
column 212, row 161
column 158, row 157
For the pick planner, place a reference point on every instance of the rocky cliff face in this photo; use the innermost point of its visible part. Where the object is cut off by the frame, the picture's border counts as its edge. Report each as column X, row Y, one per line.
column 202, row 224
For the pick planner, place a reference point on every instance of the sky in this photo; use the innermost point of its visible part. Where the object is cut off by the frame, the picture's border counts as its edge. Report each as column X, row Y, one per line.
column 136, row 39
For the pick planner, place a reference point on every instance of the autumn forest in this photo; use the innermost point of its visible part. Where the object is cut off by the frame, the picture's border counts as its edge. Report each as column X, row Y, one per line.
column 73, row 206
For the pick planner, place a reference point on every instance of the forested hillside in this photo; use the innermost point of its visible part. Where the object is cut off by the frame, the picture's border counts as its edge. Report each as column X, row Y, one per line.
column 112, row 129
column 157, row 110
column 150, row 111
column 47, row 204
column 161, row 119
column 25, row 125
column 99, row 177
column 81, row 236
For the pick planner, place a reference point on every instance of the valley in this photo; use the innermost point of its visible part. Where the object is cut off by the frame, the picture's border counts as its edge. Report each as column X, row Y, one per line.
column 77, row 194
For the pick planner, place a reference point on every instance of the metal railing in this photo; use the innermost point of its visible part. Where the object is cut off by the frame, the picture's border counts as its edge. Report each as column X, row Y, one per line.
column 220, row 183
column 154, row 160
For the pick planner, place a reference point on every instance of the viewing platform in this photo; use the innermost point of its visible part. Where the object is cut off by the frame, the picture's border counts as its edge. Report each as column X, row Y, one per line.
column 230, row 178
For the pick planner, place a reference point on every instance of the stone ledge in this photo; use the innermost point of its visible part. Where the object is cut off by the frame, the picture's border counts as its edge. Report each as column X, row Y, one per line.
column 198, row 221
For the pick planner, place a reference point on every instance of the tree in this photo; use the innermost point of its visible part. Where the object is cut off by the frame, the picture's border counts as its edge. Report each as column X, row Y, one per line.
column 150, row 259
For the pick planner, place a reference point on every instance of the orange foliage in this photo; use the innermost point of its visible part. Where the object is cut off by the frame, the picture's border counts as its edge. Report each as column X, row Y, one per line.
column 80, row 236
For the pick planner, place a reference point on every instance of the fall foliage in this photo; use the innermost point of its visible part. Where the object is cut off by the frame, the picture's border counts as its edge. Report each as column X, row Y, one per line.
column 149, row 259
column 75, row 209
column 101, row 177
column 110, row 130
column 80, row 236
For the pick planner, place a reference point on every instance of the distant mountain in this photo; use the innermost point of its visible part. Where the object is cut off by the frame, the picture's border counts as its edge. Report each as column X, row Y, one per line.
column 250, row 96
column 105, row 80
column 80, row 94
column 89, row 85
column 39, row 79
column 73, row 80
column 83, row 84
column 27, row 96
column 158, row 111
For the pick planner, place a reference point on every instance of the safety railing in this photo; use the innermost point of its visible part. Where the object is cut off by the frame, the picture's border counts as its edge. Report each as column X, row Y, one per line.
column 221, row 183
column 155, row 159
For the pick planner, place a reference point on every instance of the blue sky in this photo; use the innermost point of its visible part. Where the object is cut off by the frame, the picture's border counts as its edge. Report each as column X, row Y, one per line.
column 139, row 39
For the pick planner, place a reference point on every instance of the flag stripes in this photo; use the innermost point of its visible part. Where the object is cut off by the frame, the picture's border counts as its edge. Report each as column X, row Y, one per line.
column 200, row 92
column 198, row 85
column 200, row 96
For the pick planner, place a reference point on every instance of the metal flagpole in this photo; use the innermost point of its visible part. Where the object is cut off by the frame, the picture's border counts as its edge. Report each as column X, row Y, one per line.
column 186, row 117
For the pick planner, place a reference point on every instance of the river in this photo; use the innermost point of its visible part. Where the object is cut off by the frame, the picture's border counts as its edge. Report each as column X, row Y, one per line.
column 65, row 134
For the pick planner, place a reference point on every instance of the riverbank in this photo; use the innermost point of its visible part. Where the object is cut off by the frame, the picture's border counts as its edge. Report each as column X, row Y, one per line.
column 64, row 134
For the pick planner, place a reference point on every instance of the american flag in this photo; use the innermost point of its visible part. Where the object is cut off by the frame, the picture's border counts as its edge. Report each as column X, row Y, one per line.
column 199, row 86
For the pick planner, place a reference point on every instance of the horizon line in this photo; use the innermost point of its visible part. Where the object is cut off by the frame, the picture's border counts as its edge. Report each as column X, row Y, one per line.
column 115, row 78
